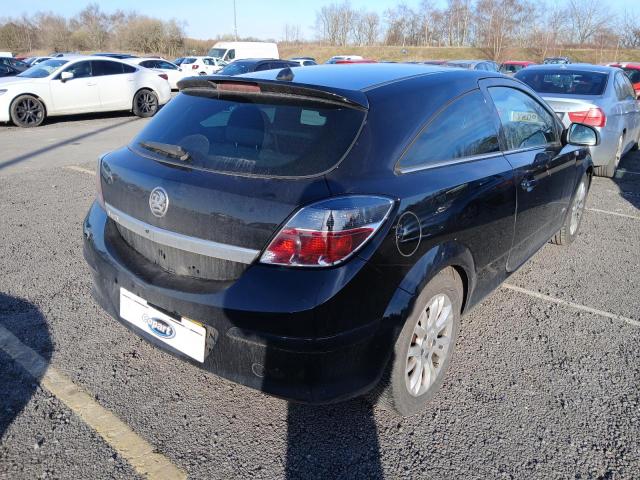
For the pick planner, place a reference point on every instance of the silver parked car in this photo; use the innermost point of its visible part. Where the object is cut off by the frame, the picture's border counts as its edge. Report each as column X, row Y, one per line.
column 600, row 96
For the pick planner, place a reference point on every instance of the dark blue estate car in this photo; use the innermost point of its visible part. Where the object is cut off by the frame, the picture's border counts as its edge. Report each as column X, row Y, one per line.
column 317, row 232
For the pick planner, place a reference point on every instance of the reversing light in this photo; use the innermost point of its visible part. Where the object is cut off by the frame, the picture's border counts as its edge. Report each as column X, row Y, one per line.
column 594, row 117
column 328, row 232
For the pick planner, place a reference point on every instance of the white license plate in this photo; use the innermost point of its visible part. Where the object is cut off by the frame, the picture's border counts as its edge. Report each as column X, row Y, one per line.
column 184, row 335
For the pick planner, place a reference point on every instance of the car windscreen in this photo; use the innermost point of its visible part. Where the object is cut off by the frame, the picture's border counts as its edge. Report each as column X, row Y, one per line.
column 235, row 68
column 633, row 74
column 43, row 69
column 217, row 52
column 249, row 136
column 570, row 82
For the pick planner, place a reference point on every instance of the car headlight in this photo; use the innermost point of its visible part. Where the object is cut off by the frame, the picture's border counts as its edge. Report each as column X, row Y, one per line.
column 3, row 91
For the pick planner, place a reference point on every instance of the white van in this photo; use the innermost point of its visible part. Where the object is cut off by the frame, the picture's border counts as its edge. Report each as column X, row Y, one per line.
column 6, row 54
column 230, row 51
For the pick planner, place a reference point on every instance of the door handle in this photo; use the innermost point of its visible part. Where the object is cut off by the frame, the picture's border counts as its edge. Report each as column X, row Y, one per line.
column 90, row 84
column 528, row 184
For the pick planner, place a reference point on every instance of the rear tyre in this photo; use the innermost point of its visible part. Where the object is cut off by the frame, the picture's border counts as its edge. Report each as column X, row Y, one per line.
column 609, row 170
column 424, row 348
column 145, row 103
column 27, row 111
column 569, row 231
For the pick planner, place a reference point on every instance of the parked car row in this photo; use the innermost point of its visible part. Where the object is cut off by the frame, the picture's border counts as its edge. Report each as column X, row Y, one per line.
column 80, row 84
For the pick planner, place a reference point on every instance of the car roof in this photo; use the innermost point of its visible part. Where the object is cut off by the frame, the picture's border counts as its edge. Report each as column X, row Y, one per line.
column 363, row 76
column 583, row 67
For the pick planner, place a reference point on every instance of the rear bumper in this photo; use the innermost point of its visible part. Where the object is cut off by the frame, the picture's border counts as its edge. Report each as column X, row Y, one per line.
column 305, row 343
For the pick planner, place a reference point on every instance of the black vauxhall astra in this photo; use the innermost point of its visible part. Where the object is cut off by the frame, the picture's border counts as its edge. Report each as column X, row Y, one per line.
column 317, row 233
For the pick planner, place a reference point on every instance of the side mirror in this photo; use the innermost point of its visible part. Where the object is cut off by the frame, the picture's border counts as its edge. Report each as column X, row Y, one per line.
column 582, row 135
column 64, row 76
column 179, row 69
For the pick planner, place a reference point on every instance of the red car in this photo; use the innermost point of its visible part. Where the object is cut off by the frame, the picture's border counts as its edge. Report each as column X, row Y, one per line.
column 514, row 66
column 633, row 72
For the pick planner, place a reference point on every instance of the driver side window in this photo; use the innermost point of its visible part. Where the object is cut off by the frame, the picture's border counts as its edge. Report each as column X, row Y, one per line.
column 526, row 123
column 80, row 69
column 231, row 54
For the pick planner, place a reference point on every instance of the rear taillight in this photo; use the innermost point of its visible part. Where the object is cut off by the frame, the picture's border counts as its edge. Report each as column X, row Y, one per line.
column 594, row 117
column 194, row 67
column 328, row 232
column 163, row 75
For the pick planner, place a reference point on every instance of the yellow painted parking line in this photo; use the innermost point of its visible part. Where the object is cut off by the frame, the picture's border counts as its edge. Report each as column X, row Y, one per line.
column 75, row 168
column 140, row 454
column 577, row 306
column 613, row 213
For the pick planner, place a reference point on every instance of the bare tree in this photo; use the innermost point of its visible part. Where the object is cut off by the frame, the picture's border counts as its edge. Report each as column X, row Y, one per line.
column 335, row 23
column 496, row 24
column 587, row 17
column 93, row 25
column 292, row 33
column 629, row 29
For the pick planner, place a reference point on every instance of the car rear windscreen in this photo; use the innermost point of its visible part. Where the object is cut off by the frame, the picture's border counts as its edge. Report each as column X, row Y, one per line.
column 284, row 138
column 564, row 81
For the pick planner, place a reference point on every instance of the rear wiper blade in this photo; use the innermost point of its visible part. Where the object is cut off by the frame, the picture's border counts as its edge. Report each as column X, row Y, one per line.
column 173, row 151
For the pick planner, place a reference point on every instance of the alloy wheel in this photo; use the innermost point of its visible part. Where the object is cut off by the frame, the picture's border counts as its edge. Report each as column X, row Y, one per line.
column 577, row 208
column 147, row 102
column 430, row 345
column 29, row 111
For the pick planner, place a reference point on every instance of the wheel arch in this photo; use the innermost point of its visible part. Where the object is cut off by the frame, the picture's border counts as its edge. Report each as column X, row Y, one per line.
column 44, row 103
column 450, row 254
column 138, row 90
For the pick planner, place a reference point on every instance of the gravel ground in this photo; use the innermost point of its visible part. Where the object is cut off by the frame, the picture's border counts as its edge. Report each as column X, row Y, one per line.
column 537, row 390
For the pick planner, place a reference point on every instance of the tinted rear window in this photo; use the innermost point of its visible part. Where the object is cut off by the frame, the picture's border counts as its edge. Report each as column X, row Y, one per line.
column 564, row 81
column 286, row 139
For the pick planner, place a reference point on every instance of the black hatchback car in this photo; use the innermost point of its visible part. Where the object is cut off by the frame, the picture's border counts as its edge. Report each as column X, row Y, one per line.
column 317, row 232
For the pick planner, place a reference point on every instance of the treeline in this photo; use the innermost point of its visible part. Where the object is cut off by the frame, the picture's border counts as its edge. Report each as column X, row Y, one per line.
column 490, row 25
column 92, row 30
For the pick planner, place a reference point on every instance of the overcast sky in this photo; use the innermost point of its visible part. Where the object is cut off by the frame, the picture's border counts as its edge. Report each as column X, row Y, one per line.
column 257, row 18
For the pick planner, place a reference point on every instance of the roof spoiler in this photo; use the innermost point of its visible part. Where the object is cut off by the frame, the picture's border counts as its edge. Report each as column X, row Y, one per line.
column 225, row 86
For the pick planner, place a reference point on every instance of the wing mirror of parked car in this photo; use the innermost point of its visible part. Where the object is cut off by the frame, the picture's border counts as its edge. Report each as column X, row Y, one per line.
column 581, row 135
column 64, row 76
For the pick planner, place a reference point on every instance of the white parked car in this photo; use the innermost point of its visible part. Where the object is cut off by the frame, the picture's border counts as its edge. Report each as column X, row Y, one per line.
column 231, row 51
column 201, row 65
column 174, row 72
column 69, row 85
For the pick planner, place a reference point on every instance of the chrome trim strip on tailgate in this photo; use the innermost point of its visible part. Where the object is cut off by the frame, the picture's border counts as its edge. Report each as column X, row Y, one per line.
column 182, row 242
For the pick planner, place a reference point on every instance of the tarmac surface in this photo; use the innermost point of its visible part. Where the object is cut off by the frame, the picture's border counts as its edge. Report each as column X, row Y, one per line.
column 544, row 383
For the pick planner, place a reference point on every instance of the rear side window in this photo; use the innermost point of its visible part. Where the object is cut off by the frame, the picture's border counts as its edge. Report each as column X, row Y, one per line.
column 526, row 123
column 564, row 81
column 466, row 128
column 148, row 64
column 285, row 138
column 104, row 67
column 189, row 60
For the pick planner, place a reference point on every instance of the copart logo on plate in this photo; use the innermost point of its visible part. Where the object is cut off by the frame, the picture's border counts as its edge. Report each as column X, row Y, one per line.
column 159, row 201
column 159, row 327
